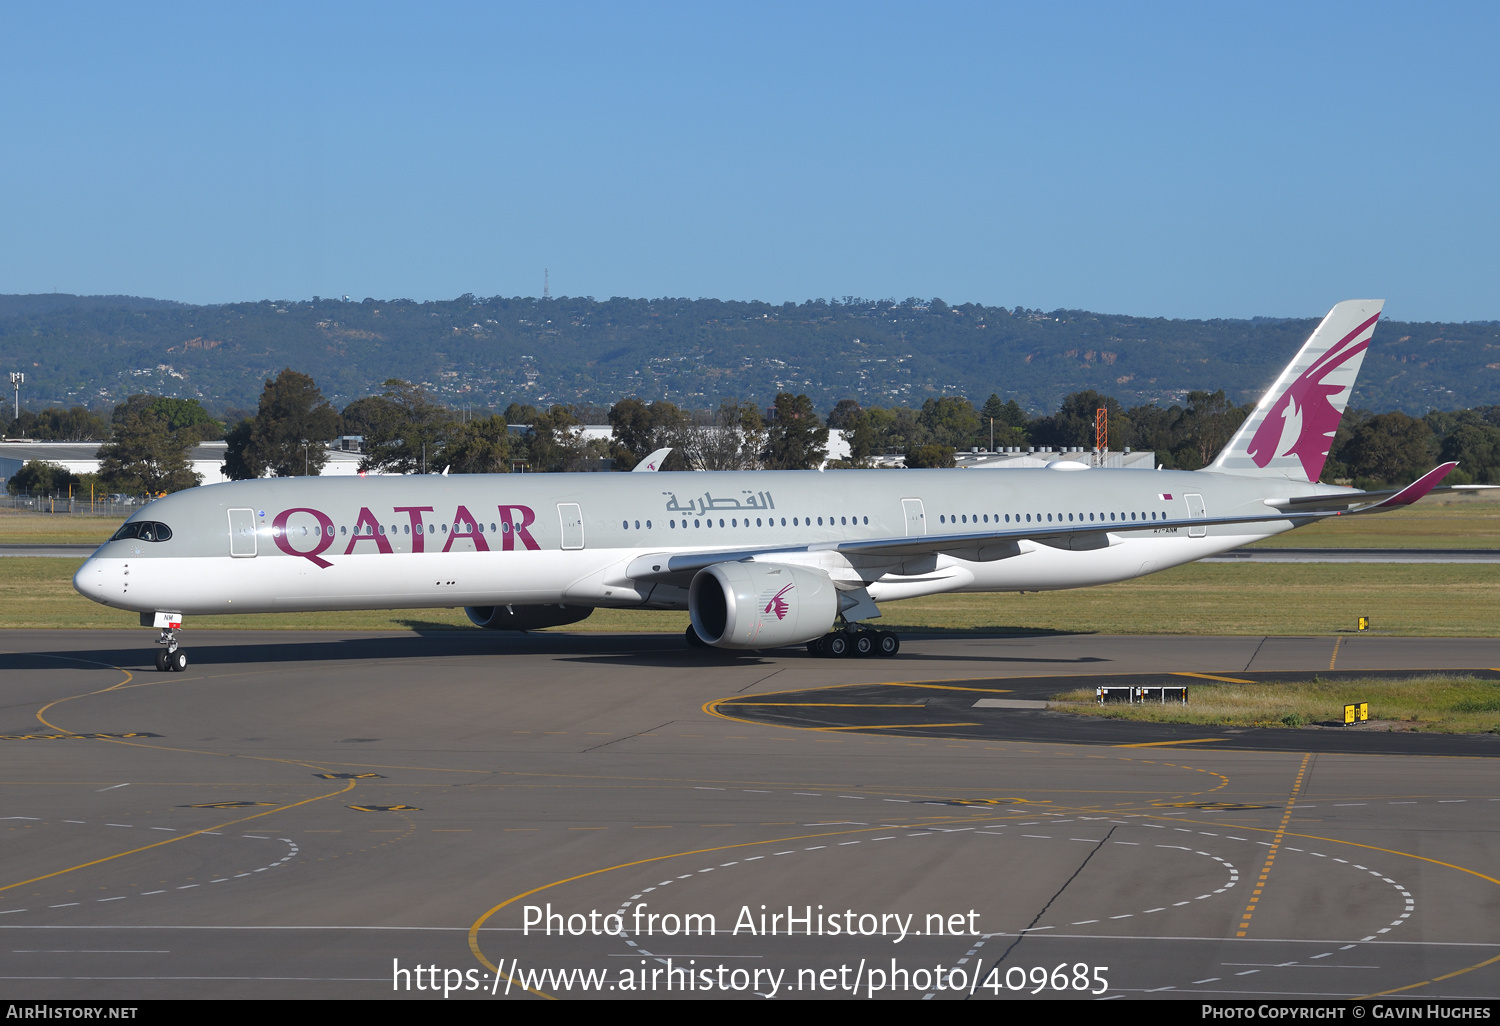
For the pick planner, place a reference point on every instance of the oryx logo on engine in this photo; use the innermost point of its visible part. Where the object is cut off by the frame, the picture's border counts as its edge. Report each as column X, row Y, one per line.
column 779, row 605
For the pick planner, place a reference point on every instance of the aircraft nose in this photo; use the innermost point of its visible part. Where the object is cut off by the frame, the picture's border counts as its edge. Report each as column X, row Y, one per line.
column 90, row 580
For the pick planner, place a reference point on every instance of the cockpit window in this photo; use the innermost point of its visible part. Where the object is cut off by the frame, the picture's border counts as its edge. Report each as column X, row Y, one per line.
column 144, row 530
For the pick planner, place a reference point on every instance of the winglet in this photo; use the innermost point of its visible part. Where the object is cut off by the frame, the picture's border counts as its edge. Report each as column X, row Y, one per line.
column 1412, row 492
column 652, row 462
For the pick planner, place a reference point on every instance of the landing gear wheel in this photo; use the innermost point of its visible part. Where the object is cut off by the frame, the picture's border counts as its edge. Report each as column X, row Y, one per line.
column 161, row 659
column 887, row 644
column 836, row 645
column 862, row 644
column 691, row 636
column 176, row 661
column 818, row 646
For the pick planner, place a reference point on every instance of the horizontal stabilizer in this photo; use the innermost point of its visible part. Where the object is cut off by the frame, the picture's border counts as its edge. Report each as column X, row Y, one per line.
column 1412, row 492
column 1334, row 502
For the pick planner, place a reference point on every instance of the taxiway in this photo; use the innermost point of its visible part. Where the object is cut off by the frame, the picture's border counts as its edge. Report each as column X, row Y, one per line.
column 304, row 814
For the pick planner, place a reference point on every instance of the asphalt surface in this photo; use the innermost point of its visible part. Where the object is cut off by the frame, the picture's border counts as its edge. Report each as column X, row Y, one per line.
column 306, row 814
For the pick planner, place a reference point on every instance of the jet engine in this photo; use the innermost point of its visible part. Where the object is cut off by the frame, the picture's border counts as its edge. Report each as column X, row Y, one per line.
column 525, row 618
column 761, row 605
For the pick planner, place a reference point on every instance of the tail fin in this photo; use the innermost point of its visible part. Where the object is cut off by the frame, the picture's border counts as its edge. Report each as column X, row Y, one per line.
column 1291, row 430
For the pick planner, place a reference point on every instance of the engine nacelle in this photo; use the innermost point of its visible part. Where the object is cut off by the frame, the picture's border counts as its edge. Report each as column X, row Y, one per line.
column 525, row 618
column 761, row 605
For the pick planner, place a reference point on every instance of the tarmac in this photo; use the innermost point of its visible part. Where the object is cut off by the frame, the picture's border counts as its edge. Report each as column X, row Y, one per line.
column 340, row 815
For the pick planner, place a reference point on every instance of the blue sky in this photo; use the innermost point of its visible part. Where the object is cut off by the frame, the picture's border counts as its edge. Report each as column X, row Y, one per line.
column 1184, row 160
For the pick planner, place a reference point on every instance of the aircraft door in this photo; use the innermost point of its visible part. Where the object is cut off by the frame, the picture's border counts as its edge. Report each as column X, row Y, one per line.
column 916, row 520
column 571, row 517
column 1196, row 509
column 242, row 532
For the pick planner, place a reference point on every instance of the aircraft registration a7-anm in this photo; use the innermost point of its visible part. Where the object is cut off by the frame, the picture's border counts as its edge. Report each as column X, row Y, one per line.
column 760, row 559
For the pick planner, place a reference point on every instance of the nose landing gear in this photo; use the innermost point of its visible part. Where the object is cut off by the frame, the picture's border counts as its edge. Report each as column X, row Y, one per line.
column 170, row 659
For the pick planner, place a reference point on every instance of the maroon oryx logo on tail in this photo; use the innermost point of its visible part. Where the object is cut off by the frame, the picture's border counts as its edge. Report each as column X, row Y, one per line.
column 779, row 605
column 1303, row 419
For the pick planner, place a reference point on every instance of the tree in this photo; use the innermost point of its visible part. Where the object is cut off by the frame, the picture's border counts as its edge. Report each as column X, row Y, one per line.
column 795, row 439
column 892, row 429
column 1389, row 448
column 843, row 416
column 240, row 462
column 641, row 428
column 555, row 443
column 732, row 438
column 145, row 454
column 288, row 433
column 1007, row 421
column 1476, row 447
column 408, row 429
column 1210, row 421
column 183, row 414
column 78, row 424
column 521, row 413
column 1073, row 423
column 919, row 456
column 1008, row 413
column 38, row 477
column 950, row 421
column 372, row 416
column 476, row 447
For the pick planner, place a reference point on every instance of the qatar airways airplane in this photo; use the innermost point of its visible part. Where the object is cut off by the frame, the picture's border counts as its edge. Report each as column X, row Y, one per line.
column 759, row 559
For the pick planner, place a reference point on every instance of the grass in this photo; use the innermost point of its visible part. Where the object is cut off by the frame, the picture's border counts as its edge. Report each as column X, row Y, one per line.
column 19, row 527
column 1439, row 703
column 1441, row 600
column 1435, row 600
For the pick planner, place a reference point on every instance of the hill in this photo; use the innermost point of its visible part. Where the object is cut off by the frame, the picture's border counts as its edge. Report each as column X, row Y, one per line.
column 487, row 352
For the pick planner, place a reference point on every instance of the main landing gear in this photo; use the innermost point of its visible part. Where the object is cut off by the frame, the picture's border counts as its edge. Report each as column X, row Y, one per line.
column 170, row 659
column 855, row 642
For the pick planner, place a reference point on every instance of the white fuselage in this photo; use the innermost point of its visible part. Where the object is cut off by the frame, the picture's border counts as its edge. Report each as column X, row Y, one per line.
column 484, row 540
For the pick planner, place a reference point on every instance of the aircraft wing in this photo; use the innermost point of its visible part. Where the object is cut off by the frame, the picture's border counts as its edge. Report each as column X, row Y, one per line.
column 984, row 546
column 978, row 546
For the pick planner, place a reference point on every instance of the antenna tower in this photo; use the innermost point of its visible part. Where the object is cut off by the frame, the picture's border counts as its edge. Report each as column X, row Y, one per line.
column 546, row 285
